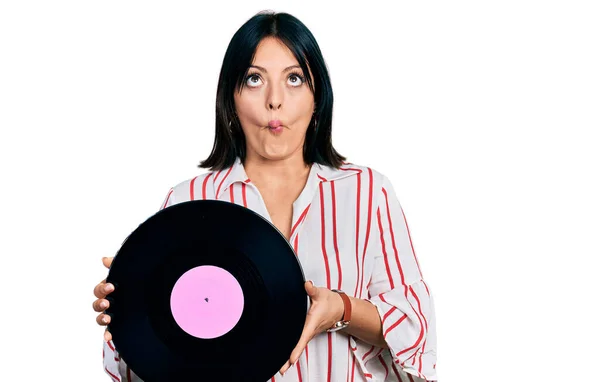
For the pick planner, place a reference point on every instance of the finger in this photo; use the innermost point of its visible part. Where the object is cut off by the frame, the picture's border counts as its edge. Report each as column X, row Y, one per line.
column 99, row 290
column 103, row 319
column 308, row 332
column 107, row 261
column 100, row 305
column 296, row 353
column 102, row 289
column 107, row 335
column 284, row 367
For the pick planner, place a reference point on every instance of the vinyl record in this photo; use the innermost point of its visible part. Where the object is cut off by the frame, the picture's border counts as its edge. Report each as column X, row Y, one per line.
column 206, row 290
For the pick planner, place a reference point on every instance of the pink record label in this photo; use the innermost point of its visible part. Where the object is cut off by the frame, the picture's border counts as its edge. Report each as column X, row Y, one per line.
column 207, row 301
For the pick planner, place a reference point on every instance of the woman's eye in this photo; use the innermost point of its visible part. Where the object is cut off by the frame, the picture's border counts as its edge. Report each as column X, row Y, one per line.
column 296, row 80
column 253, row 80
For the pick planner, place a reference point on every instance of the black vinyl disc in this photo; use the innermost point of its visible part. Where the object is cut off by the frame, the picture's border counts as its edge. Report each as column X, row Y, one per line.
column 206, row 290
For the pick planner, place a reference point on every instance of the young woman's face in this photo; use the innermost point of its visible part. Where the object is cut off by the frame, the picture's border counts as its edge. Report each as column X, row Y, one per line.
column 274, row 90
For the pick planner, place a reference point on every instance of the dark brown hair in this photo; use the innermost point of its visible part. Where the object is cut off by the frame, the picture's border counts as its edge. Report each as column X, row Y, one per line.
column 229, row 140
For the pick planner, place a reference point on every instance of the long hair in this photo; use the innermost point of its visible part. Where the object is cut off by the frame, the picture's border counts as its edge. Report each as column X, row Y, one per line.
column 229, row 138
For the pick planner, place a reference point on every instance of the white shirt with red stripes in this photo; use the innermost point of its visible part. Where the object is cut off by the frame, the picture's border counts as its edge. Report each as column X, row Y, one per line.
column 350, row 233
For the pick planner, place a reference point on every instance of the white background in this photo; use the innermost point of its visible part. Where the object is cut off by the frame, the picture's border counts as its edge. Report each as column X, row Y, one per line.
column 482, row 115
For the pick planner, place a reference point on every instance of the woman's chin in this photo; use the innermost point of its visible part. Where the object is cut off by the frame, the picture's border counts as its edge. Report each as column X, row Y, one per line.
column 276, row 152
column 276, row 156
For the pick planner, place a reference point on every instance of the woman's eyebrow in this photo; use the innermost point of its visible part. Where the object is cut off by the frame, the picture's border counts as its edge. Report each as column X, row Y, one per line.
column 265, row 70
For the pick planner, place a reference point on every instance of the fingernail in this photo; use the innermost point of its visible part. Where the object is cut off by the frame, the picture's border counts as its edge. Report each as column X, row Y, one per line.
column 103, row 304
column 108, row 288
column 105, row 319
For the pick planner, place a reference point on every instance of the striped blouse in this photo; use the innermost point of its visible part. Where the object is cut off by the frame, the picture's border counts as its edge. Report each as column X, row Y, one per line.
column 350, row 233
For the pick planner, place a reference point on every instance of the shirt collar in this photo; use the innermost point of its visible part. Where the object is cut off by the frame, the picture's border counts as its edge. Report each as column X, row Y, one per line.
column 319, row 173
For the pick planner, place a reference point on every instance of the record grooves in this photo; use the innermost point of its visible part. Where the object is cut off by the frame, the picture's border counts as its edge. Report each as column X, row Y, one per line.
column 206, row 290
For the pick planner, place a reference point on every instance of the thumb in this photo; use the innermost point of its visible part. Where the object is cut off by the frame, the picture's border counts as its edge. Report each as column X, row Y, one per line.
column 311, row 290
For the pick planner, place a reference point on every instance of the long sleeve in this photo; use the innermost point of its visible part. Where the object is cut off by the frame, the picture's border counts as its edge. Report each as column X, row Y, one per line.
column 111, row 360
column 400, row 293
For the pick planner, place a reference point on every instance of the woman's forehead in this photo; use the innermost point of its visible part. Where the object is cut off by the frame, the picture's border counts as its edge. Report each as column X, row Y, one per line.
column 273, row 55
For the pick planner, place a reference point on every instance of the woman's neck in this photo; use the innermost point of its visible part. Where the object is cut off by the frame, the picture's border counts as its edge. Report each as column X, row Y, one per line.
column 276, row 172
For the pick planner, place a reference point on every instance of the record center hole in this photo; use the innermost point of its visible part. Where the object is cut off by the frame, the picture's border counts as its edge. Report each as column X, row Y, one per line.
column 206, row 299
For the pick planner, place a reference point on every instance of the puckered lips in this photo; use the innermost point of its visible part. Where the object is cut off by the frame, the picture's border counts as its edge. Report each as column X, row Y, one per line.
column 275, row 126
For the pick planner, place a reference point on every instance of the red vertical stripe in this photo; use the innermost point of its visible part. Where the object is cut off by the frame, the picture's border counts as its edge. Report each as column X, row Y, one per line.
column 348, row 356
column 223, row 180
column 192, row 188
column 216, row 177
column 231, row 197
column 396, row 372
column 356, row 236
column 244, row 195
column 299, row 373
column 298, row 361
column 362, row 273
column 424, row 320
column 384, row 365
column 306, row 348
column 385, row 256
column 389, row 216
column 204, row 186
column 307, row 364
column 335, row 245
column 323, row 247
column 129, row 379
column 329, row 360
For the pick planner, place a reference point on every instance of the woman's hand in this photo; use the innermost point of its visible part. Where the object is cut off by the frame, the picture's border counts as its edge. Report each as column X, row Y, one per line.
column 101, row 291
column 326, row 309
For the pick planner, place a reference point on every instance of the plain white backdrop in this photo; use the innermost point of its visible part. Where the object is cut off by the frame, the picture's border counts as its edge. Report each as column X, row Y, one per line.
column 483, row 115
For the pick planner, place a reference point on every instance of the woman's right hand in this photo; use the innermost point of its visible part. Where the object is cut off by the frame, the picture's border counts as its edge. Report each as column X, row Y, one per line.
column 101, row 304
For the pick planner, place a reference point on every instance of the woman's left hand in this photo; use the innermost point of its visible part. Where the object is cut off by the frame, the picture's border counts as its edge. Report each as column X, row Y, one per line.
column 326, row 309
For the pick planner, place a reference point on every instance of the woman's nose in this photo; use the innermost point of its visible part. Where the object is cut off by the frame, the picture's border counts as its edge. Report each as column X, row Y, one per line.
column 274, row 98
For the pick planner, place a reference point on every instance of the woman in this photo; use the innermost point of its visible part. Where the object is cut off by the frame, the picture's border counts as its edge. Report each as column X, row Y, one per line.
column 273, row 154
